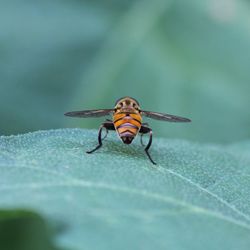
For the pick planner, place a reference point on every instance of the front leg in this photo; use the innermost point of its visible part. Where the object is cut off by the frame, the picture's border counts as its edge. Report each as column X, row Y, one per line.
column 145, row 130
column 108, row 126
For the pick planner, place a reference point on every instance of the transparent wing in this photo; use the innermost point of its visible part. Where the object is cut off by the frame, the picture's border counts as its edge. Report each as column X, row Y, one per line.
column 164, row 117
column 90, row 113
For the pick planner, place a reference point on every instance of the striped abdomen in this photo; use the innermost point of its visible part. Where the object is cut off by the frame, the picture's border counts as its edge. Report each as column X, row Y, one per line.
column 127, row 126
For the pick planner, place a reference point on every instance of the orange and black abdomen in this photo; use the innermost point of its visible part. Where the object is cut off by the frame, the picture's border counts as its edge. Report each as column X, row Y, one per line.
column 127, row 125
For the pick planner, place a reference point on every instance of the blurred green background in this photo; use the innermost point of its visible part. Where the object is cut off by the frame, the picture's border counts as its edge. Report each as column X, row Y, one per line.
column 189, row 58
column 16, row 228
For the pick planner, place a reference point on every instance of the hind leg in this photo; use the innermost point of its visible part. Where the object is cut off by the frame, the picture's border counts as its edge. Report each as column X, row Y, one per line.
column 146, row 130
column 108, row 126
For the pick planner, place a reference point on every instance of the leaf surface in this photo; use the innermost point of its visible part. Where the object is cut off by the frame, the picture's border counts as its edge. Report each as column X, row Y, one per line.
column 197, row 197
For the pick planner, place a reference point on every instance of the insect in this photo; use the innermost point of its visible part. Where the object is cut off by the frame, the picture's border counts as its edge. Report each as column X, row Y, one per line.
column 126, row 121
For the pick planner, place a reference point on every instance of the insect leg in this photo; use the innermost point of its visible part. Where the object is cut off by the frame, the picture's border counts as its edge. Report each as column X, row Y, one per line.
column 142, row 140
column 106, row 134
column 148, row 146
column 145, row 124
column 107, row 126
column 99, row 140
column 145, row 130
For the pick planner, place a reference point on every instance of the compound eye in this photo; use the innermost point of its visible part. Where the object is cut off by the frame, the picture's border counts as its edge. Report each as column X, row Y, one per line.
column 120, row 105
column 135, row 106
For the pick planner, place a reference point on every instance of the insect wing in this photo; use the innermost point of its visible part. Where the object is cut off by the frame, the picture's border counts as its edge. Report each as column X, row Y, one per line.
column 164, row 117
column 90, row 113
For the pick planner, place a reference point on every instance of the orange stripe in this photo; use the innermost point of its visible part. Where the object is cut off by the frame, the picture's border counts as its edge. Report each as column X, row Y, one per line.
column 136, row 123
column 122, row 118
column 118, row 116
column 127, row 120
column 137, row 117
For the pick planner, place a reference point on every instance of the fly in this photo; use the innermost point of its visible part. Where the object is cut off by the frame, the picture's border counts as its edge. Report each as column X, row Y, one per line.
column 126, row 121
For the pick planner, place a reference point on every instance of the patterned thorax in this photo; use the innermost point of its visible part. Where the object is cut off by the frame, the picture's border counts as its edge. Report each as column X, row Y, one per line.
column 127, row 119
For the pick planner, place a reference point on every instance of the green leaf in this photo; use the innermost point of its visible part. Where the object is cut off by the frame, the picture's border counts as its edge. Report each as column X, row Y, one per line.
column 197, row 197
column 24, row 230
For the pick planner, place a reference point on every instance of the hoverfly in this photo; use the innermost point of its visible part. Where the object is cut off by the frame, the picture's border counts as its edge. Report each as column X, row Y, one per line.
column 126, row 121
